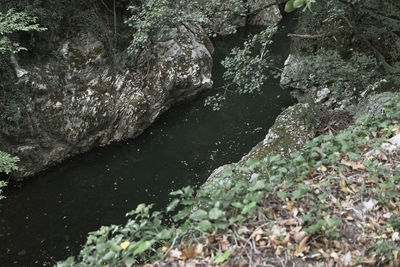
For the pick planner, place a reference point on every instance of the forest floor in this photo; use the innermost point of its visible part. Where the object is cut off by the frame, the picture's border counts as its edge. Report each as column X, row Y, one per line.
column 340, row 214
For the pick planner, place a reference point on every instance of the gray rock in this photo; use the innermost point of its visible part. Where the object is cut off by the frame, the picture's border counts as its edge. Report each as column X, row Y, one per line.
column 261, row 13
column 290, row 65
column 372, row 105
column 217, row 172
column 80, row 101
column 322, row 95
column 288, row 134
column 268, row 16
column 302, row 90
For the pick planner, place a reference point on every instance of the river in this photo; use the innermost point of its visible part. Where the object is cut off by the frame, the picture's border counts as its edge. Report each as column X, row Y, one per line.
column 47, row 218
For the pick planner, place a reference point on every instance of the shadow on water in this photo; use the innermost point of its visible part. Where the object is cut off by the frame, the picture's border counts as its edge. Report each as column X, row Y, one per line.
column 48, row 217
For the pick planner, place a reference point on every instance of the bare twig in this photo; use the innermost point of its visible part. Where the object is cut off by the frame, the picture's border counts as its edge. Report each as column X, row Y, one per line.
column 172, row 245
column 309, row 36
column 115, row 27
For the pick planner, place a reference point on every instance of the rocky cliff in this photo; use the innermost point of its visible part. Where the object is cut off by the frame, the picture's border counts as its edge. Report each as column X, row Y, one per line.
column 78, row 100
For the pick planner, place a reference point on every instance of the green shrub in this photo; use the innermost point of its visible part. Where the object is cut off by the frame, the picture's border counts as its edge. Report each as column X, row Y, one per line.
column 235, row 196
column 7, row 162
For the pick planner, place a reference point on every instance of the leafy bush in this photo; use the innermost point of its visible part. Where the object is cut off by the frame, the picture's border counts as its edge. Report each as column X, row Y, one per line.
column 328, row 69
column 11, row 22
column 246, row 68
column 7, row 165
column 7, row 162
column 235, row 196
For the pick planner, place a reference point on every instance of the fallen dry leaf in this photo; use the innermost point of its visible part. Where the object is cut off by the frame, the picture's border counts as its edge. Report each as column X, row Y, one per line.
column 175, row 253
column 344, row 188
column 302, row 247
column 354, row 165
column 292, row 221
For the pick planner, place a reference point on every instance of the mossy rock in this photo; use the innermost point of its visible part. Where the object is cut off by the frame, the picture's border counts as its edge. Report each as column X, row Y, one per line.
column 288, row 134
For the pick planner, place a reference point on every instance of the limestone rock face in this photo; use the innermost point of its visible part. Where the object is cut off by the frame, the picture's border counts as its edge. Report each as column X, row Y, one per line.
column 288, row 134
column 301, row 90
column 261, row 13
column 78, row 100
column 268, row 16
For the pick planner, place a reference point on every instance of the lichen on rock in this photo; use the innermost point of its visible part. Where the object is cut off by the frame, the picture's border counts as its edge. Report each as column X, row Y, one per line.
column 79, row 100
column 287, row 134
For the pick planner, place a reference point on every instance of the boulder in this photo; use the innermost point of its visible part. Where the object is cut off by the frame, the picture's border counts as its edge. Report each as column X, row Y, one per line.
column 264, row 13
column 261, row 13
column 302, row 90
column 288, row 134
column 78, row 100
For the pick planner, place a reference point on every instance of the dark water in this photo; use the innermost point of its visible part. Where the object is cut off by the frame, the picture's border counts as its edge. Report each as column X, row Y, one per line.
column 48, row 217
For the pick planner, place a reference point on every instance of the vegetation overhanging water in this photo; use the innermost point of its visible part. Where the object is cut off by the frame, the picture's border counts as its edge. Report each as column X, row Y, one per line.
column 48, row 217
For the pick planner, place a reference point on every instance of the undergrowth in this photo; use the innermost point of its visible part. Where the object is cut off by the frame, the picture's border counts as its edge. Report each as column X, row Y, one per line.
column 241, row 192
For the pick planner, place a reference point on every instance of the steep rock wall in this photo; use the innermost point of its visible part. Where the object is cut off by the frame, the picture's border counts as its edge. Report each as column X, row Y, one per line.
column 79, row 101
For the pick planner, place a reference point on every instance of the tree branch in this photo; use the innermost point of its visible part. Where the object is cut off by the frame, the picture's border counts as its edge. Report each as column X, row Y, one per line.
column 310, row 36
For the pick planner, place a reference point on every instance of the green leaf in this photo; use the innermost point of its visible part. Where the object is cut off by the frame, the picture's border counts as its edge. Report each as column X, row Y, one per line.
column 222, row 257
column 7, row 162
column 298, row 3
column 237, row 205
column 309, row 5
column 259, row 185
column 251, row 163
column 182, row 214
column 177, row 192
column 289, row 6
column 282, row 195
column 164, row 234
column 205, row 225
column 249, row 207
column 215, row 213
column 173, row 205
column 140, row 207
column 221, row 224
column 141, row 246
column 199, row 215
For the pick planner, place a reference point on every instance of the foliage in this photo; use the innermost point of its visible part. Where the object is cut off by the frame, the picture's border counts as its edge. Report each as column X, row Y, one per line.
column 153, row 20
column 247, row 70
column 292, row 5
column 2, row 184
column 129, row 244
column 7, row 163
column 241, row 190
column 328, row 69
column 394, row 221
column 11, row 22
column 349, row 47
column 385, row 249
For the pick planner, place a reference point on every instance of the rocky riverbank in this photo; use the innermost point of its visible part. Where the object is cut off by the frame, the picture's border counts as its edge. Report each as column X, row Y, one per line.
column 77, row 99
column 321, row 189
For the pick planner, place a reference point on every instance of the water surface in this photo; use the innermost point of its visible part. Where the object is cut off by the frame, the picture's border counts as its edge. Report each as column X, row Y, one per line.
column 48, row 217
